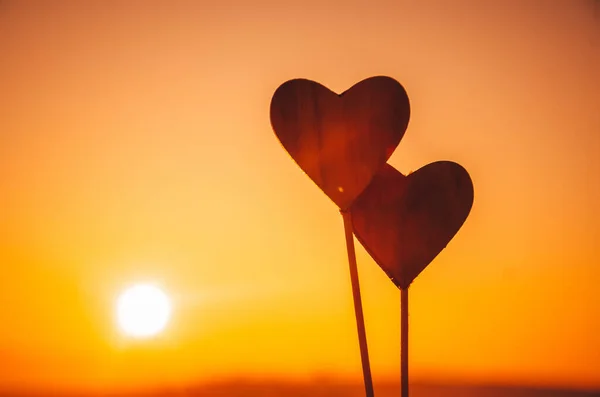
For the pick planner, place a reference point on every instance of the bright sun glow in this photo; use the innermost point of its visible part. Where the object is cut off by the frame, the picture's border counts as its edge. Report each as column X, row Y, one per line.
column 143, row 311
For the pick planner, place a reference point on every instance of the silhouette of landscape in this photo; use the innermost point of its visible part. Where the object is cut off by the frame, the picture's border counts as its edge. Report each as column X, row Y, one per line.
column 243, row 388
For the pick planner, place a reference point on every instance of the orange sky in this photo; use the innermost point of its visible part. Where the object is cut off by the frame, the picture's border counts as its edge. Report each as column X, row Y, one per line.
column 135, row 144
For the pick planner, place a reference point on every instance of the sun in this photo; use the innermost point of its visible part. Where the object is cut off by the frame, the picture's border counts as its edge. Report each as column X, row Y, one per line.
column 143, row 311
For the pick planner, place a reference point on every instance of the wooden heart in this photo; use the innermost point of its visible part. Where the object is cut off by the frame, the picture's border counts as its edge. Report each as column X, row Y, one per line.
column 404, row 222
column 340, row 141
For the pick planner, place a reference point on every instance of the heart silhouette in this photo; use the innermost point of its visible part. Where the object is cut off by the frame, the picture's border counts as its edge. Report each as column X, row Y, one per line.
column 404, row 222
column 340, row 141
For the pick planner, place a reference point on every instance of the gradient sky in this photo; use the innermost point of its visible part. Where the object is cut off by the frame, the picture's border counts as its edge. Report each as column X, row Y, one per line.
column 135, row 144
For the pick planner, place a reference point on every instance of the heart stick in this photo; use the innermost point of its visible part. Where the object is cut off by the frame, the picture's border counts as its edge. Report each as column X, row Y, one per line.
column 358, row 312
column 404, row 222
column 404, row 342
column 341, row 142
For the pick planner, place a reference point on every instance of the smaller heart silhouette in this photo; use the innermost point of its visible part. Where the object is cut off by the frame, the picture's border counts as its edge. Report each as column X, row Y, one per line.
column 404, row 222
column 340, row 141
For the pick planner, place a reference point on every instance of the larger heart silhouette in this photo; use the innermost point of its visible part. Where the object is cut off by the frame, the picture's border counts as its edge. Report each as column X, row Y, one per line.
column 404, row 222
column 340, row 141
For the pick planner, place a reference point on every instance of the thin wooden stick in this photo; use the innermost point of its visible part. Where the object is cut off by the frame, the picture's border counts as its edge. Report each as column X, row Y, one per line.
column 360, row 321
column 404, row 342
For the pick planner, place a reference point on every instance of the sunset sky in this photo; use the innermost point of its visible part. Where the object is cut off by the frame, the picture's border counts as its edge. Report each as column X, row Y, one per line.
column 135, row 144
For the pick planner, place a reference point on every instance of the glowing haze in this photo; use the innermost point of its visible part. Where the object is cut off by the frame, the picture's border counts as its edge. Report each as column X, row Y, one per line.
column 135, row 144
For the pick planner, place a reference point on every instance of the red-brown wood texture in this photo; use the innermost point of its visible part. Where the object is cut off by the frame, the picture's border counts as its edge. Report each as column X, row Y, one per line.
column 404, row 222
column 340, row 141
